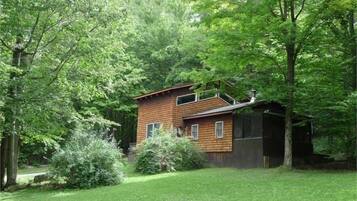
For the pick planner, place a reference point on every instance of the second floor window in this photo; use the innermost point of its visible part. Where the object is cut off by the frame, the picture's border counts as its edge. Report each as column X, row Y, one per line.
column 207, row 94
column 227, row 98
column 186, row 99
column 194, row 131
column 151, row 129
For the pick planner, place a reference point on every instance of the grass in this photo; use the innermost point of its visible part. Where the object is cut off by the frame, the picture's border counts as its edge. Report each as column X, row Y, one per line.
column 212, row 184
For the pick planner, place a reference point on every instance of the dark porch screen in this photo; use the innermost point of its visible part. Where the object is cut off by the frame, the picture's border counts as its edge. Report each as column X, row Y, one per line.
column 247, row 126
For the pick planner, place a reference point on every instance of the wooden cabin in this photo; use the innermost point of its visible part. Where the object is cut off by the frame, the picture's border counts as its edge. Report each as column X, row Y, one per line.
column 237, row 134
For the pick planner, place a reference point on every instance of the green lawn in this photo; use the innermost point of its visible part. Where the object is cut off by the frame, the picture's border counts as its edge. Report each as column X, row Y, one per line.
column 213, row 184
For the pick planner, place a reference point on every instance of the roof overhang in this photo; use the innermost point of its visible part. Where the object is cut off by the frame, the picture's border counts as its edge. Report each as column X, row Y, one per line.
column 206, row 115
column 162, row 91
column 223, row 110
column 231, row 108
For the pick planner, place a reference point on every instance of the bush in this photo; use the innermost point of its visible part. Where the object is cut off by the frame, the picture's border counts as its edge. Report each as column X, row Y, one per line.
column 87, row 161
column 189, row 155
column 165, row 152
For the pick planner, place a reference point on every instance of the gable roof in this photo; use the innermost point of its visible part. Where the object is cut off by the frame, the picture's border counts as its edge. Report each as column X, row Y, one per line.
column 224, row 110
column 165, row 90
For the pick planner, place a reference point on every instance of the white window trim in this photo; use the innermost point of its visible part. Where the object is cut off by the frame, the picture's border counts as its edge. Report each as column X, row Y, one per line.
column 147, row 127
column 215, row 129
column 198, row 131
column 196, row 99
column 199, row 95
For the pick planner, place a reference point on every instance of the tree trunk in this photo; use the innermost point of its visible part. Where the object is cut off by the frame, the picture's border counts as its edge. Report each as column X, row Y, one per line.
column 12, row 157
column 3, row 153
column 288, row 158
column 9, row 134
column 11, row 123
column 291, row 53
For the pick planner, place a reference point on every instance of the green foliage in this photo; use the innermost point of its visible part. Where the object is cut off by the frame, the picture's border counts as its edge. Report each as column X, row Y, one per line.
column 77, row 68
column 87, row 161
column 338, row 140
column 165, row 152
column 189, row 155
column 165, row 40
column 246, row 44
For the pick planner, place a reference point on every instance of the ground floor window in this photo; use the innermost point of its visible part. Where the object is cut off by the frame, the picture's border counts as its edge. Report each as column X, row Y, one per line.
column 194, row 131
column 151, row 129
column 219, row 129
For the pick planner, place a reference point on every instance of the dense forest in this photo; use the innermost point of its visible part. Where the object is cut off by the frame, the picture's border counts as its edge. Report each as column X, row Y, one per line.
column 66, row 65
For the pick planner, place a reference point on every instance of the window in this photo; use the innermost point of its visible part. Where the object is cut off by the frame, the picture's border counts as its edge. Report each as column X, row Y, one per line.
column 151, row 129
column 219, row 129
column 185, row 99
column 207, row 94
column 194, row 131
column 227, row 98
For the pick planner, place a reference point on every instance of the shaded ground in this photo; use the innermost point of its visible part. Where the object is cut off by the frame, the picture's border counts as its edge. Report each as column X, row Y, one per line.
column 25, row 175
column 32, row 170
column 213, row 184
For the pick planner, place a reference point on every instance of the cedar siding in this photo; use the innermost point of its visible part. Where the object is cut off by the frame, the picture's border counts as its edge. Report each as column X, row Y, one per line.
column 156, row 109
column 206, row 136
column 162, row 108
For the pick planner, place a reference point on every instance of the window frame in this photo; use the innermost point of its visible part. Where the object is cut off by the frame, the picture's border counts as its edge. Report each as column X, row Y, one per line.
column 184, row 96
column 198, row 131
column 215, row 129
column 147, row 128
column 234, row 100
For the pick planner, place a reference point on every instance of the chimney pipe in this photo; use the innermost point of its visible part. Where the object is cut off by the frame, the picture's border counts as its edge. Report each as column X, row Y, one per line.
column 254, row 96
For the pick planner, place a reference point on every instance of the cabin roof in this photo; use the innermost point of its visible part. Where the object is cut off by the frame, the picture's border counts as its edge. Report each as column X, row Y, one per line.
column 178, row 86
column 165, row 90
column 223, row 110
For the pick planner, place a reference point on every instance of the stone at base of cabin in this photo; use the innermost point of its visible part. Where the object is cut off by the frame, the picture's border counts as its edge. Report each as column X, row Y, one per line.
column 41, row 178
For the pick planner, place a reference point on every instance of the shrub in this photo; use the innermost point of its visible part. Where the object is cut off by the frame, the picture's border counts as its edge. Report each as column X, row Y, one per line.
column 165, row 152
column 189, row 155
column 87, row 161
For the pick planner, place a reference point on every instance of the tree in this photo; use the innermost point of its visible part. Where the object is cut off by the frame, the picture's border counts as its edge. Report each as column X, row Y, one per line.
column 253, row 39
column 329, row 81
column 165, row 40
column 64, row 54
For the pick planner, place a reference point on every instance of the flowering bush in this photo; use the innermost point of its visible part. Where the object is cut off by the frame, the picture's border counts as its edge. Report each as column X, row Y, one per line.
column 87, row 161
column 164, row 152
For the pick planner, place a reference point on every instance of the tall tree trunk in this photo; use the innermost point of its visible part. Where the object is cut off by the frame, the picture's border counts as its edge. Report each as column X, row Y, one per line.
column 291, row 53
column 3, row 153
column 289, row 108
column 11, row 127
column 9, row 134
column 12, row 158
